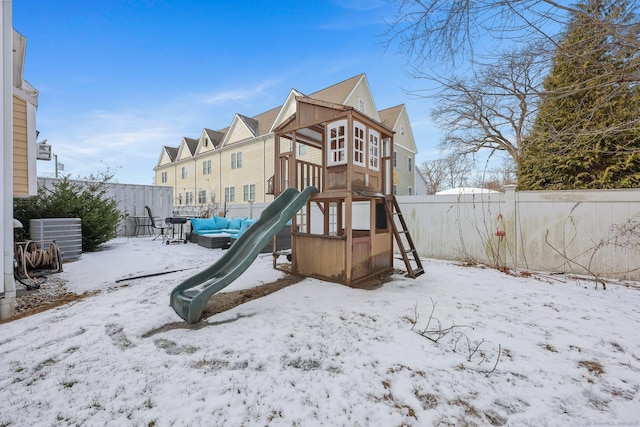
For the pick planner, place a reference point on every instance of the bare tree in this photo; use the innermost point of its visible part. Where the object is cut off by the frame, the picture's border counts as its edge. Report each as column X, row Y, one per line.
column 456, row 30
column 496, row 178
column 448, row 172
column 492, row 106
column 495, row 107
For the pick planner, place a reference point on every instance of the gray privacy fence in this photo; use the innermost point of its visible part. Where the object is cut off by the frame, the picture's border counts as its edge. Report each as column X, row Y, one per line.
column 132, row 199
column 582, row 232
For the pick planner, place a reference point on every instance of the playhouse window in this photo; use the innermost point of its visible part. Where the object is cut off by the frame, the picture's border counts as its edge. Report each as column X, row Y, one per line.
column 337, row 135
column 301, row 219
column 381, row 217
column 374, row 150
column 358, row 144
column 333, row 219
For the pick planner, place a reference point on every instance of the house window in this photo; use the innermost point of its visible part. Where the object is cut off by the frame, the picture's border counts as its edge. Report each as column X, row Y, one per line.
column 202, row 197
column 361, row 105
column 213, row 197
column 236, row 160
column 206, row 142
column 302, row 149
column 163, row 177
column 409, row 163
column 189, row 198
column 206, row 167
column 180, row 198
column 358, row 144
column 337, row 135
column 185, row 172
column 374, row 150
column 395, row 159
column 229, row 194
column 410, row 191
column 401, row 130
column 249, row 192
column 395, row 190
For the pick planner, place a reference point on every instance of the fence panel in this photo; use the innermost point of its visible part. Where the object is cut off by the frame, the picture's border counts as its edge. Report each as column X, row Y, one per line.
column 131, row 200
column 582, row 232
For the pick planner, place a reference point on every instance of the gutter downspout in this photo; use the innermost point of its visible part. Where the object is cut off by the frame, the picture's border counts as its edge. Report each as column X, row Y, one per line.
column 8, row 300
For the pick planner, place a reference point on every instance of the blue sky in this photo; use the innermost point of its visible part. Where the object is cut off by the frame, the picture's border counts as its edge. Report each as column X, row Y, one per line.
column 119, row 79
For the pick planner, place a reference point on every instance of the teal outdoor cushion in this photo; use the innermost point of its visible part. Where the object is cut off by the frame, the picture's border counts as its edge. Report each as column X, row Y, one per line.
column 236, row 222
column 198, row 224
column 222, row 222
column 246, row 223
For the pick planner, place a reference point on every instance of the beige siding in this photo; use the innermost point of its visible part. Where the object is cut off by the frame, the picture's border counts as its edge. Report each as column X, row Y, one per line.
column 183, row 152
column 20, row 148
column 205, row 145
column 362, row 92
column 254, row 161
column 238, row 132
column 170, row 170
column 406, row 179
column 258, row 155
column 164, row 159
column 207, row 182
column 404, row 134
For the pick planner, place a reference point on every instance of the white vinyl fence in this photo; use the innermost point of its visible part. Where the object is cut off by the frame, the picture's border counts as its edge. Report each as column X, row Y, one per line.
column 583, row 232
column 132, row 199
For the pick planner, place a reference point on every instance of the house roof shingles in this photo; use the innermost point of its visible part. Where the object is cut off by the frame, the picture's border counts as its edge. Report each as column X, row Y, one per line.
column 263, row 122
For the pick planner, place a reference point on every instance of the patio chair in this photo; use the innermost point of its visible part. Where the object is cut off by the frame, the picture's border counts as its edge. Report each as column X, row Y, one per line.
column 154, row 226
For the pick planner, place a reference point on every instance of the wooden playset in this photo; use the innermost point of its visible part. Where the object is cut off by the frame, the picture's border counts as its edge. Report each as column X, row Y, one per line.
column 346, row 231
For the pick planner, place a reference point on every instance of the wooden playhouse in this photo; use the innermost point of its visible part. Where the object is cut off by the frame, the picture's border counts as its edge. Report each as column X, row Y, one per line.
column 346, row 232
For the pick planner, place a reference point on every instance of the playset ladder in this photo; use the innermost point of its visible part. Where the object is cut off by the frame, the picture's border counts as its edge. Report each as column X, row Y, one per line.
column 393, row 212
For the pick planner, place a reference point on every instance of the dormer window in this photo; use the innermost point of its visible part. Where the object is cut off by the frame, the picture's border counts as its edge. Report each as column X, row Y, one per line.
column 361, row 105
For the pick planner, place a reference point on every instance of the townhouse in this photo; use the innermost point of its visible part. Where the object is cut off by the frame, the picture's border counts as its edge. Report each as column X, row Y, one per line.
column 236, row 164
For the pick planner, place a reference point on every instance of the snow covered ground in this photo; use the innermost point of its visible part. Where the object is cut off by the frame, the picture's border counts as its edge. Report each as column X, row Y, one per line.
column 521, row 351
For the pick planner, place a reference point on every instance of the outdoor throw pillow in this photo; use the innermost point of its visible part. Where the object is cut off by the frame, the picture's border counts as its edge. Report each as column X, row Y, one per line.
column 222, row 222
column 198, row 224
column 236, row 222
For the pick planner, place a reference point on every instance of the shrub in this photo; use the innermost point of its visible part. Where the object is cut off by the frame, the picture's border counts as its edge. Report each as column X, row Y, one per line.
column 84, row 199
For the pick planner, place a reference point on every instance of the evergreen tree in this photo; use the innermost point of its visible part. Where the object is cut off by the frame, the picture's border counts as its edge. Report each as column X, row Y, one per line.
column 587, row 132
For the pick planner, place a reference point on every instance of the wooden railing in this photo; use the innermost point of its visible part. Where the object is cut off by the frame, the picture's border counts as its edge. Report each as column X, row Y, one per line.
column 306, row 174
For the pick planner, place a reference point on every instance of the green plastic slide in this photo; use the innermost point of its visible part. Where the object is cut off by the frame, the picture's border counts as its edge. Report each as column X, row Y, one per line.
column 190, row 303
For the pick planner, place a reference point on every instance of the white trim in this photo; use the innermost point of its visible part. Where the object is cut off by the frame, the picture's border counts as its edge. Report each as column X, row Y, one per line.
column 285, row 106
column 373, row 165
column 8, row 287
column 339, row 151
column 32, row 178
column 363, row 151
